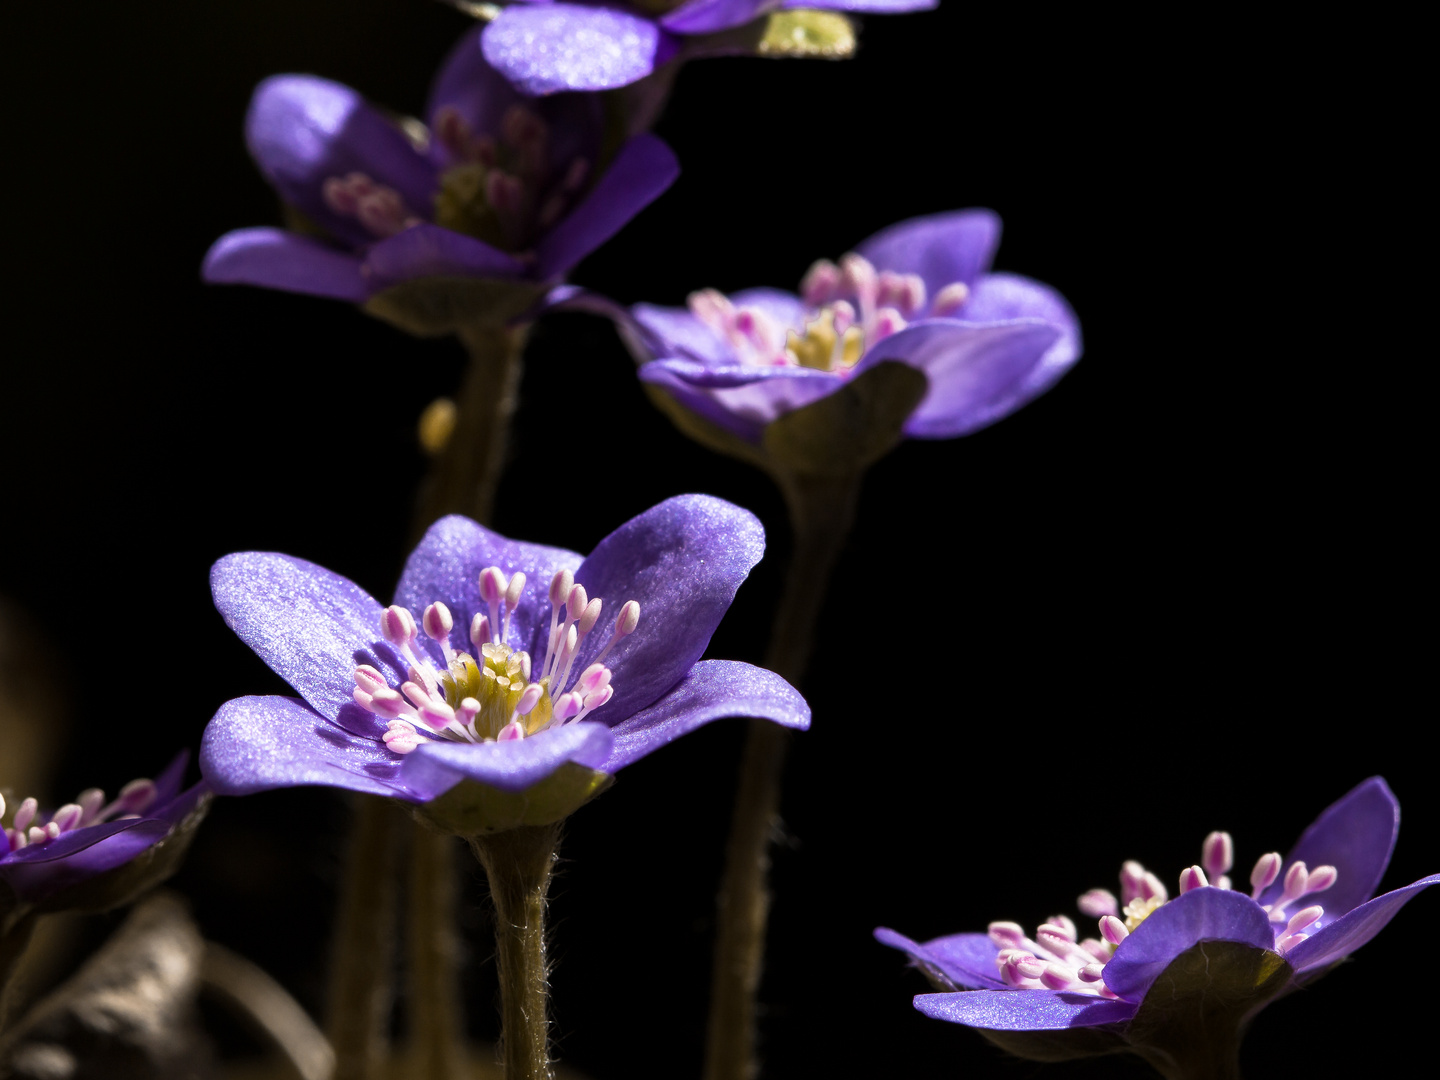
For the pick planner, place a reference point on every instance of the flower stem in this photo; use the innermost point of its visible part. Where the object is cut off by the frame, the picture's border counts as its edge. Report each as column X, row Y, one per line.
column 436, row 1032
column 362, row 967
column 822, row 510
column 13, row 943
column 467, row 471
column 518, row 863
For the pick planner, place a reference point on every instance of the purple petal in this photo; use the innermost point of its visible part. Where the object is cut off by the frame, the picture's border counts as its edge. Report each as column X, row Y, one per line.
column 1007, row 297
column 427, row 250
column 446, row 566
column 708, row 16
column 302, row 130
column 1024, row 1010
column 967, row 960
column 512, row 765
column 276, row 259
column 1354, row 928
column 260, row 743
column 35, row 879
column 741, row 398
column 1205, row 914
column 71, row 843
column 713, row 690
column 312, row 627
column 675, row 332
column 941, row 248
column 642, row 170
column 483, row 96
column 1355, row 835
column 547, row 48
column 167, row 784
column 977, row 373
column 866, row 7
column 681, row 561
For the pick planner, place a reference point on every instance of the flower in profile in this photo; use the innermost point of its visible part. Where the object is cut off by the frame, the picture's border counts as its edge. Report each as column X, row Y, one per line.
column 1175, row 980
column 919, row 293
column 544, row 47
column 501, row 662
column 46, row 858
column 491, row 187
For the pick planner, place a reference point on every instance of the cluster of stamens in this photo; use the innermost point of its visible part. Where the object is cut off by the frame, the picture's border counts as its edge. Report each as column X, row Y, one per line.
column 497, row 190
column 1055, row 960
column 850, row 307
column 30, row 827
column 493, row 695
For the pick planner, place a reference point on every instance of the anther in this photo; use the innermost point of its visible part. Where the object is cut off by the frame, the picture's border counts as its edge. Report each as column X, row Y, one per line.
column 68, row 816
column 466, row 712
column 1267, row 869
column 888, row 322
column 1321, row 878
column 438, row 622
column 1301, row 919
column 369, row 679
column 821, row 283
column 1217, row 854
column 843, row 314
column 1056, row 977
column 1007, row 935
column 1092, row 973
column 1113, row 930
column 589, row 617
column 1193, row 878
column 512, row 594
column 136, row 796
column 1297, row 879
column 560, row 586
column 1098, row 902
column 1288, row 942
column 576, row 603
column 91, row 801
column 950, row 299
column 397, row 626
column 529, row 699
column 479, row 630
column 625, row 624
column 492, row 585
column 511, row 731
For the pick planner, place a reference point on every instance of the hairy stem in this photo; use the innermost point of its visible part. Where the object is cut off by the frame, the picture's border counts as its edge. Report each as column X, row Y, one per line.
column 822, row 510
column 518, row 863
column 436, row 1032
column 13, row 943
column 362, row 964
column 466, row 473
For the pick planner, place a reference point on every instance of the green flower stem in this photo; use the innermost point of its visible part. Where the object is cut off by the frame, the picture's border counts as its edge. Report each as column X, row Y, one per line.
column 822, row 511
column 467, row 471
column 15, row 934
column 518, row 863
column 436, row 1030
column 362, row 965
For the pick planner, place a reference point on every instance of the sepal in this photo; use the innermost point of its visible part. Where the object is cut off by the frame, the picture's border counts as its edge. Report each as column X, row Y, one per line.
column 474, row 809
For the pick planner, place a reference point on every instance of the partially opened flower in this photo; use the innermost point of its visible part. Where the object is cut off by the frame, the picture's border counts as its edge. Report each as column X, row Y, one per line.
column 503, row 663
column 495, row 188
column 1176, row 980
column 61, row 859
column 545, row 47
column 918, row 292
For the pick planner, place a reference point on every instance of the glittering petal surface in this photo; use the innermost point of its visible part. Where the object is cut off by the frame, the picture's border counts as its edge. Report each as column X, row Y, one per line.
column 510, row 766
column 681, row 561
column 741, row 398
column 708, row 16
column 1003, row 297
column 1354, row 929
column 1356, row 835
column 546, row 48
column 713, row 690
column 302, row 130
column 1024, row 1010
column 1206, row 914
column 642, row 170
column 976, row 372
column 310, row 625
column 446, row 566
column 941, row 248
column 276, row 259
column 967, row 960
column 427, row 250
column 259, row 743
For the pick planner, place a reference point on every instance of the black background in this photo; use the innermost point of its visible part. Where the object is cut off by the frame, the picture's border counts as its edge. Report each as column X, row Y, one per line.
column 1179, row 592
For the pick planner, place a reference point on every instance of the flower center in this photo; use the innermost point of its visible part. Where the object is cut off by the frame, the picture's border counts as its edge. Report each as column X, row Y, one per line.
column 1055, row 960
column 848, row 309
column 29, row 826
column 493, row 698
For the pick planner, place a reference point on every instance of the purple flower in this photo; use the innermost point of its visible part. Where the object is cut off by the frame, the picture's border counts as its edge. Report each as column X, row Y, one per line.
column 1292, row 921
column 917, row 292
column 544, row 47
column 495, row 188
column 513, row 668
column 44, row 856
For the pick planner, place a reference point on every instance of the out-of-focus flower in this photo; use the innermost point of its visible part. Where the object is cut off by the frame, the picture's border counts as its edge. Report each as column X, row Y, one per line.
column 544, row 47
column 918, row 292
column 494, row 665
column 494, row 188
column 47, row 857
column 1175, row 979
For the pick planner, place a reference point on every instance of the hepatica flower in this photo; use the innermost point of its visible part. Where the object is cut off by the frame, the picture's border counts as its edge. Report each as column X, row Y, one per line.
column 492, row 187
column 918, row 292
column 544, row 47
column 43, row 855
column 1160, row 974
column 500, row 662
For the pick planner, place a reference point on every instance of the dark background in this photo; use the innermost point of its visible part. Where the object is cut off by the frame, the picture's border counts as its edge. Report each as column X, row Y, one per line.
column 1182, row 594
